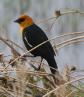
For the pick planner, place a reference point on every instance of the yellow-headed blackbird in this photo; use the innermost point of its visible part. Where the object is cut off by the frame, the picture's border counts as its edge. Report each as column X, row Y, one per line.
column 34, row 35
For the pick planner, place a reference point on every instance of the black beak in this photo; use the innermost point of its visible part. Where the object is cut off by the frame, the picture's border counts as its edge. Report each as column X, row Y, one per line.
column 19, row 20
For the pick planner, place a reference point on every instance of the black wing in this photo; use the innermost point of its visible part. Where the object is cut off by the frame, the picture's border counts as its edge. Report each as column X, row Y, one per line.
column 35, row 36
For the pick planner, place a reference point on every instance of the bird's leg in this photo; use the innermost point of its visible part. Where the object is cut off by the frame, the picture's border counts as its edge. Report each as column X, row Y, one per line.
column 40, row 64
column 39, row 67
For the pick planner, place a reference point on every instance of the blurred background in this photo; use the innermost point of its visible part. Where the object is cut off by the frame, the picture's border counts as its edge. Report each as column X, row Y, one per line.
column 40, row 10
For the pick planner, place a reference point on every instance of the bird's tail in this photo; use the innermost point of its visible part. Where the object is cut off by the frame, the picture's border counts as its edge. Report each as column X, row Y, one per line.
column 52, row 64
column 58, row 79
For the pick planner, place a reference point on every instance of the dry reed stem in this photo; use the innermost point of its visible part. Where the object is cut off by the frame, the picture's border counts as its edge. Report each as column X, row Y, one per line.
column 70, row 41
column 61, row 14
column 64, row 85
column 7, row 91
column 81, row 90
column 29, row 72
column 15, row 44
column 33, row 85
column 2, row 39
column 69, row 95
column 77, row 41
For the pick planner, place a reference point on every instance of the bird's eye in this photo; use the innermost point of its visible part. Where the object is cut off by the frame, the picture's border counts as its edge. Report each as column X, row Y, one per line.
column 21, row 20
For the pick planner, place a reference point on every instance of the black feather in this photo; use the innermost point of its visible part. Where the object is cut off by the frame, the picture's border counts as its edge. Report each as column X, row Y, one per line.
column 34, row 36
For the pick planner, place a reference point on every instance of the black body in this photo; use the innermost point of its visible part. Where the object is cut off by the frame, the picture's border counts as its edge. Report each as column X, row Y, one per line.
column 32, row 36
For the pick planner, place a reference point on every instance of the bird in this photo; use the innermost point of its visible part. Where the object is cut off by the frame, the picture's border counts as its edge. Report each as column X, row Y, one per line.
column 32, row 36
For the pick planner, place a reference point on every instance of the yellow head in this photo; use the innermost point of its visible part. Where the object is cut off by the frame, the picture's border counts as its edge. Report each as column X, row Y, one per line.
column 24, row 21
